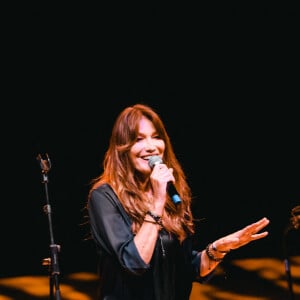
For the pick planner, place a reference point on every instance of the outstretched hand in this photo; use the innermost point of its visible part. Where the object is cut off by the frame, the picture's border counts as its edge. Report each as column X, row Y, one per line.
column 243, row 236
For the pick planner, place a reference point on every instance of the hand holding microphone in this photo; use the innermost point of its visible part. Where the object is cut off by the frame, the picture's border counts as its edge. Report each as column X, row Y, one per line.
column 172, row 192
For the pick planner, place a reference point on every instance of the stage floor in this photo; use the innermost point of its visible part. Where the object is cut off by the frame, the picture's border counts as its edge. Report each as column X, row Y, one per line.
column 241, row 279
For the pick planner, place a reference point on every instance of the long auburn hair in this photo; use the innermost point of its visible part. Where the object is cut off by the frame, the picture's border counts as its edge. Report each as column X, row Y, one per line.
column 120, row 174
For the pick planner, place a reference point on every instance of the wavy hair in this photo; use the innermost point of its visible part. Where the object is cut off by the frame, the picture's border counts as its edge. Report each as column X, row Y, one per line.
column 120, row 174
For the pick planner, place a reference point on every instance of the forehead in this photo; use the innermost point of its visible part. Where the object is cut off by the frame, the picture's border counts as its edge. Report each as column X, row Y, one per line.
column 145, row 125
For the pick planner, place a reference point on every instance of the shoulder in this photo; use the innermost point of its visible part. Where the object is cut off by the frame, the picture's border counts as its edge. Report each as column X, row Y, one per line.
column 105, row 187
column 104, row 190
column 102, row 198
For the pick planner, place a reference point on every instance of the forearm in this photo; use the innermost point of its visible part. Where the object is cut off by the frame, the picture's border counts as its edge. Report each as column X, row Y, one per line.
column 145, row 239
column 211, row 257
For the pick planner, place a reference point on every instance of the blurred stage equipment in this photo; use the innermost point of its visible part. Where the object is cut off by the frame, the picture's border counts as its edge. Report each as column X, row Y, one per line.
column 51, row 262
column 294, row 224
column 295, row 217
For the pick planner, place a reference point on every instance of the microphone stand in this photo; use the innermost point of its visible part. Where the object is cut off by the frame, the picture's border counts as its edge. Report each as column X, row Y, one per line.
column 51, row 262
column 287, row 263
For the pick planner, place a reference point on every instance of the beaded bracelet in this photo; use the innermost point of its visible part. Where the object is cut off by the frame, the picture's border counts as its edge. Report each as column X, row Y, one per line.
column 211, row 256
column 156, row 218
column 220, row 251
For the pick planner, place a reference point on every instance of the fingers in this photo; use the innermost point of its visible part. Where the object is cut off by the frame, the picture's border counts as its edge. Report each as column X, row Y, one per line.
column 246, row 235
column 257, row 226
column 258, row 236
column 252, row 231
column 164, row 173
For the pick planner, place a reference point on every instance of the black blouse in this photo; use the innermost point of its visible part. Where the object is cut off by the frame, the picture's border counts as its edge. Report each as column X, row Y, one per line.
column 123, row 273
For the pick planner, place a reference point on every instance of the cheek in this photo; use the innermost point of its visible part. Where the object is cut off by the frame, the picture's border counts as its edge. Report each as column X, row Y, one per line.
column 135, row 149
column 161, row 145
column 134, row 153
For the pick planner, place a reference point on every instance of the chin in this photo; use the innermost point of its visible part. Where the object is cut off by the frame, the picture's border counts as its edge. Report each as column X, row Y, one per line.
column 144, row 171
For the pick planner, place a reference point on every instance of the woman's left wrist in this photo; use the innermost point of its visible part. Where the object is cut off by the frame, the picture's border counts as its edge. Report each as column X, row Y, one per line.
column 218, row 249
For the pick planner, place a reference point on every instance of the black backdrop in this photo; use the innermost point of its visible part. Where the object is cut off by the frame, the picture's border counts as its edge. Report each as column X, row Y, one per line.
column 222, row 79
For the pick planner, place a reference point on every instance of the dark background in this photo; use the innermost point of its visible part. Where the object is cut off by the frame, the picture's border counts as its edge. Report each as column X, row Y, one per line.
column 225, row 80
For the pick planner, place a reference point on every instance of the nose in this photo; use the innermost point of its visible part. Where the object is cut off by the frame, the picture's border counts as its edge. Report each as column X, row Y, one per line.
column 149, row 144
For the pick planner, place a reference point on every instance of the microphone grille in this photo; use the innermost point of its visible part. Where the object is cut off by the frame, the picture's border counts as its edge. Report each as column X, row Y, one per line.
column 154, row 160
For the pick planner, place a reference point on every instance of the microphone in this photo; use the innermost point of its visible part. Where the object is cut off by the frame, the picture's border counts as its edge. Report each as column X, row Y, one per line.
column 155, row 160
